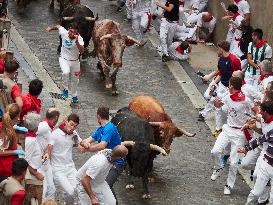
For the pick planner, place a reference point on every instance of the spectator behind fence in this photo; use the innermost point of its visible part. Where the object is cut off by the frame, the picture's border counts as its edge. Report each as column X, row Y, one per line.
column 12, row 91
column 12, row 190
column 8, row 141
column 31, row 102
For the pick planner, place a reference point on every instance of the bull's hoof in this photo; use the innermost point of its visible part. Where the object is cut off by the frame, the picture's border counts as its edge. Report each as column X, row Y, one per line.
column 146, row 196
column 115, row 93
column 151, row 179
column 108, row 85
column 130, row 186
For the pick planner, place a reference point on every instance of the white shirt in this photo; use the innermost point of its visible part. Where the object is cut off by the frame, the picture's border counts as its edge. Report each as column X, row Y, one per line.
column 43, row 135
column 141, row 5
column 243, row 7
column 236, row 110
column 33, row 154
column 69, row 50
column 209, row 25
column 251, row 92
column 97, row 168
column 237, row 22
column 61, row 154
column 265, row 82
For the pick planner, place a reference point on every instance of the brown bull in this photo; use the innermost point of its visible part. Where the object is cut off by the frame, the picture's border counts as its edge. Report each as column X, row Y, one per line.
column 150, row 109
column 109, row 44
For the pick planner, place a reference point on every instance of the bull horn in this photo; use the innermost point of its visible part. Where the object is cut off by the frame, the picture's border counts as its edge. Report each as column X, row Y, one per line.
column 187, row 133
column 90, row 18
column 106, row 36
column 66, row 18
column 159, row 149
column 128, row 143
column 134, row 40
column 155, row 123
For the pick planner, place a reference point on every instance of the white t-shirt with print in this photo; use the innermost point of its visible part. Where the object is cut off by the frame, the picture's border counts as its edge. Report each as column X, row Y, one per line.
column 236, row 110
column 69, row 50
column 209, row 25
column 61, row 154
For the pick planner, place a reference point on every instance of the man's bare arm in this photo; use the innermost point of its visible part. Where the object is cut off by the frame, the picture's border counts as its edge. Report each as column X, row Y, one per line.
column 86, row 183
column 52, row 28
column 250, row 61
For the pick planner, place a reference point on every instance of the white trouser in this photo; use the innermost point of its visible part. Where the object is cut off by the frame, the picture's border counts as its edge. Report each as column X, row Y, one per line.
column 251, row 79
column 101, row 191
column 264, row 174
column 220, row 116
column 140, row 22
column 70, row 69
column 183, row 33
column 167, row 31
column 48, row 184
column 244, row 65
column 207, row 109
column 249, row 161
column 230, row 35
column 235, row 47
column 236, row 139
column 128, row 9
column 65, row 177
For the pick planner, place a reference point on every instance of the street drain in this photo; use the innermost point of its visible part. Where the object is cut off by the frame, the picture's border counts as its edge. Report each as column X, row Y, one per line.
column 56, row 96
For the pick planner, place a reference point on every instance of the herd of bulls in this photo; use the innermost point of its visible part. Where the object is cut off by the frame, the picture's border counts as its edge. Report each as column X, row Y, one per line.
column 144, row 126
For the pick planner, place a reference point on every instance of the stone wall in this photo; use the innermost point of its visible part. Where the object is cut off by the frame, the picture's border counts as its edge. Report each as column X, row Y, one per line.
column 262, row 17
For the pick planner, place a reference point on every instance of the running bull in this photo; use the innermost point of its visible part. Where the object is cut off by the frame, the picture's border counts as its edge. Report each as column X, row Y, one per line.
column 151, row 110
column 63, row 4
column 137, row 135
column 80, row 17
column 109, row 44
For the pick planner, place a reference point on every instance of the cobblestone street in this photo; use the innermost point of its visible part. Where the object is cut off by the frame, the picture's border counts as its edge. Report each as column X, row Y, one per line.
column 183, row 177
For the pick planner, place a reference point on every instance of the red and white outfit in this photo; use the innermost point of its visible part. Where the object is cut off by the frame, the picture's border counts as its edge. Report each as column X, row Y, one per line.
column 141, row 17
column 235, row 35
column 69, row 61
column 235, row 105
column 243, row 7
column 177, row 53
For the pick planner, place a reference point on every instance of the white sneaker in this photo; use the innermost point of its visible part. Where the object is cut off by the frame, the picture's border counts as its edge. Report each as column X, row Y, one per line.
column 227, row 190
column 215, row 174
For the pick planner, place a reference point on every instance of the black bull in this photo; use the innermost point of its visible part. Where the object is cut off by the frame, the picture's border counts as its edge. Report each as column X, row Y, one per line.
column 80, row 17
column 138, row 136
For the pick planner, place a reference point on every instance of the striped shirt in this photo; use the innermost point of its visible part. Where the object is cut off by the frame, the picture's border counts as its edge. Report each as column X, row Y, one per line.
column 258, row 55
column 267, row 141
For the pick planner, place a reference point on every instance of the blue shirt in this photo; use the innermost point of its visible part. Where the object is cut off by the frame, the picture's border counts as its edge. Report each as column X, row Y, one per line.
column 108, row 133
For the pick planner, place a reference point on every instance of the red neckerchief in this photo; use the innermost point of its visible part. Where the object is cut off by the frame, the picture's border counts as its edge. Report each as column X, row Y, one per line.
column 235, row 16
column 260, row 44
column 244, row 82
column 237, row 1
column 48, row 122
column 262, row 77
column 31, row 134
column 238, row 96
column 268, row 120
column 62, row 126
column 181, row 3
column 179, row 50
column 74, row 38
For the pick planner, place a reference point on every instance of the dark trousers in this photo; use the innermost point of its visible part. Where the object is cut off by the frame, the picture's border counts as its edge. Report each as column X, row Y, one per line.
column 2, row 178
column 113, row 175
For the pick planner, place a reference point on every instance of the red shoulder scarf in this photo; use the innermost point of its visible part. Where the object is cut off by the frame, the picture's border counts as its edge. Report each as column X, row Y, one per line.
column 238, row 96
column 260, row 44
column 235, row 16
column 48, row 122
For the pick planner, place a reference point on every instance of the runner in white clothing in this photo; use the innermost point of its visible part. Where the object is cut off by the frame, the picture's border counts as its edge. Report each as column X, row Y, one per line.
column 244, row 8
column 205, row 20
column 72, row 47
column 91, row 186
column 141, row 18
column 266, row 74
column 59, row 149
column 236, row 105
